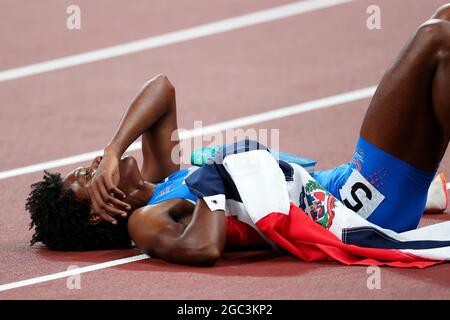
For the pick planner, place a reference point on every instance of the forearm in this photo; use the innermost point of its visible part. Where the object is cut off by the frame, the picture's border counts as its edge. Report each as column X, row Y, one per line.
column 206, row 231
column 150, row 104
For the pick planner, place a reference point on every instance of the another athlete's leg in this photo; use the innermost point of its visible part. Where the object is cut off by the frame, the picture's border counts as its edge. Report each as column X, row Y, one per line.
column 409, row 116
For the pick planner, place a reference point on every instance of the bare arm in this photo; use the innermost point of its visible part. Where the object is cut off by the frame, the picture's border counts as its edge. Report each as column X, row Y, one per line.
column 154, row 102
column 199, row 243
column 151, row 113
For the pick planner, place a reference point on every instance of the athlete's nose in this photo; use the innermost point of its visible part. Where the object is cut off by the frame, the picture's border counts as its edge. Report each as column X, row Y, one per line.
column 97, row 161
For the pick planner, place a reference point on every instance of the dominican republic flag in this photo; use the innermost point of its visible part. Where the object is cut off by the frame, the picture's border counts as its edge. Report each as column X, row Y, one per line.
column 292, row 212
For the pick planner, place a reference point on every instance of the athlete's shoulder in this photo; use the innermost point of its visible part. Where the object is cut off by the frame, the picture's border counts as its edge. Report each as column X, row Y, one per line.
column 148, row 223
column 148, row 217
column 160, row 214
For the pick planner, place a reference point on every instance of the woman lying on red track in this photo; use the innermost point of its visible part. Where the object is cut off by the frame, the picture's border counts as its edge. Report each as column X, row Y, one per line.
column 403, row 138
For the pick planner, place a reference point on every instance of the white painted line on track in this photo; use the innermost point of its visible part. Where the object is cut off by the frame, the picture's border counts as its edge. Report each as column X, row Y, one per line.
column 327, row 102
column 72, row 272
column 182, row 35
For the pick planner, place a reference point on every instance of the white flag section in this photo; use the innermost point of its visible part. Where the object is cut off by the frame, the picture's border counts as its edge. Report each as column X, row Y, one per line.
column 304, row 219
column 260, row 182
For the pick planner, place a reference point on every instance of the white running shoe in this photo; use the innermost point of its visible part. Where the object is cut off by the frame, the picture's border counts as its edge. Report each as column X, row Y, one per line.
column 437, row 199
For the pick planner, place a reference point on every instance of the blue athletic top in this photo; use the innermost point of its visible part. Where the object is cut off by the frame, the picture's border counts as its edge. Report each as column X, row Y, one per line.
column 403, row 186
column 174, row 187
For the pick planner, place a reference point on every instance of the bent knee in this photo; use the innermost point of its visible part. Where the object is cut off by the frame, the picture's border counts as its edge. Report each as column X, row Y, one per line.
column 162, row 81
column 160, row 84
column 434, row 34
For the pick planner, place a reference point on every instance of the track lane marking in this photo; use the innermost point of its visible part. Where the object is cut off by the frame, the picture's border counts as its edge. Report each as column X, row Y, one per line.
column 68, row 273
column 279, row 113
column 182, row 35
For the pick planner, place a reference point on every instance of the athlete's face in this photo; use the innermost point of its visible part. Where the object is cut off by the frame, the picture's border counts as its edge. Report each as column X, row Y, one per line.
column 79, row 179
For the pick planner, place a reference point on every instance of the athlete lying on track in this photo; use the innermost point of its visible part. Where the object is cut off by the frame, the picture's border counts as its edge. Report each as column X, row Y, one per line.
column 403, row 138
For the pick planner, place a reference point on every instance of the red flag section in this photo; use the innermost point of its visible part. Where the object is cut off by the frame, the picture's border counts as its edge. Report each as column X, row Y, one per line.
column 307, row 240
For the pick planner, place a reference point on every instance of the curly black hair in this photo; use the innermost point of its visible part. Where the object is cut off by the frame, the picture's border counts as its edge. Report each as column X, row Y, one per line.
column 61, row 220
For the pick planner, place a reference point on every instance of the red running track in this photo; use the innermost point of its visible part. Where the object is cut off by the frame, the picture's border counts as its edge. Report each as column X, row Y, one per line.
column 246, row 71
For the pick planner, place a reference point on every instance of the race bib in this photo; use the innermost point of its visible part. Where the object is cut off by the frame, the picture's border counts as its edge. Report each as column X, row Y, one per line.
column 360, row 196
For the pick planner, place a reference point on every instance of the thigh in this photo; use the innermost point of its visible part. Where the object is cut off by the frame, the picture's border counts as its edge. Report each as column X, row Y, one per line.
column 400, row 119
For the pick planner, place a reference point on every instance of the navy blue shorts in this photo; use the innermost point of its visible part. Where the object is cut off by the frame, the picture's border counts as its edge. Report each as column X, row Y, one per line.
column 380, row 187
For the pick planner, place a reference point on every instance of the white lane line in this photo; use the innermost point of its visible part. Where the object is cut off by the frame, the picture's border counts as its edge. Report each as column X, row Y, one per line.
column 68, row 273
column 204, row 30
column 59, row 162
column 284, row 112
column 187, row 134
